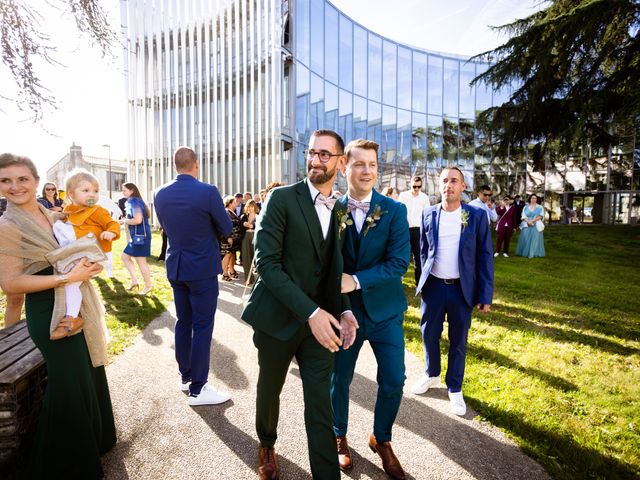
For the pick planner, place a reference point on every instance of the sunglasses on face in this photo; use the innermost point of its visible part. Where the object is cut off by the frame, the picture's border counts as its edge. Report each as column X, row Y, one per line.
column 416, row 187
column 48, row 189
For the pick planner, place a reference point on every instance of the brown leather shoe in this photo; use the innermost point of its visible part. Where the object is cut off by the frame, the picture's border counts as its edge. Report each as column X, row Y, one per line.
column 390, row 462
column 267, row 464
column 68, row 326
column 344, row 454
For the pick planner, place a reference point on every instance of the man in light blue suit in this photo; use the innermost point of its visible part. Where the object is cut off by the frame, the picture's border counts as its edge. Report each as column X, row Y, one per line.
column 193, row 216
column 376, row 250
column 457, row 274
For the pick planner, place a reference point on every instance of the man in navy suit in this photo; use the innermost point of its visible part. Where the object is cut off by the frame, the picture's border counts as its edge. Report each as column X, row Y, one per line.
column 193, row 216
column 376, row 251
column 457, row 274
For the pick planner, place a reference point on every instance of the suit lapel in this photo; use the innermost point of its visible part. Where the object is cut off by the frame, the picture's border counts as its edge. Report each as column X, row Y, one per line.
column 435, row 225
column 310, row 215
column 375, row 200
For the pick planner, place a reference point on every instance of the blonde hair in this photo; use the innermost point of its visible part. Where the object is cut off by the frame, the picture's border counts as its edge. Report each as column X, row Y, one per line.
column 77, row 175
column 360, row 143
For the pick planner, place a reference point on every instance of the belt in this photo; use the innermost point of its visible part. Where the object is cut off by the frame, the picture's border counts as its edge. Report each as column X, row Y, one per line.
column 447, row 281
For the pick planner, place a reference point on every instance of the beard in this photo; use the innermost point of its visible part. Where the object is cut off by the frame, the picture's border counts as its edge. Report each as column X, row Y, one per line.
column 322, row 177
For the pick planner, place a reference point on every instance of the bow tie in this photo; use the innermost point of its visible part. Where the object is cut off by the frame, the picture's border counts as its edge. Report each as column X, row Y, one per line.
column 356, row 205
column 322, row 200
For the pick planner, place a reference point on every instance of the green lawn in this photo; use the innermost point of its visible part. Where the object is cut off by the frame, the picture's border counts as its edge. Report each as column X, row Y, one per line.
column 556, row 364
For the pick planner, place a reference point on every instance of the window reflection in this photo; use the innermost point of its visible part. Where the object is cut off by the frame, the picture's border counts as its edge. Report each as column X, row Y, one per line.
column 317, row 37
column 435, row 85
column 434, row 141
column 359, row 60
column 331, row 44
column 346, row 52
column 404, row 78
column 467, row 92
column 375, row 68
column 450, row 97
column 330, row 106
column 303, row 31
column 359, row 117
column 419, row 89
column 450, row 140
column 390, row 70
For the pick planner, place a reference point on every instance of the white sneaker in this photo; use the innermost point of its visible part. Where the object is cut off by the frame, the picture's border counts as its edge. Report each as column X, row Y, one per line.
column 456, row 403
column 496, row 254
column 208, row 396
column 505, row 255
column 424, row 384
column 184, row 386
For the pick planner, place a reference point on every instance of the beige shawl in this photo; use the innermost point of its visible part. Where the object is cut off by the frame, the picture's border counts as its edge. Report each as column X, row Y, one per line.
column 23, row 246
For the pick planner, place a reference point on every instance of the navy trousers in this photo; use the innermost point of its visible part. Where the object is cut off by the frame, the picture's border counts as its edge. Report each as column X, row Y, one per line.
column 414, row 240
column 196, row 303
column 387, row 341
column 440, row 300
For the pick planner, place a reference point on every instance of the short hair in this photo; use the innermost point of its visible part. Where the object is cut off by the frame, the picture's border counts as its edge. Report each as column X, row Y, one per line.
column 453, row 167
column 360, row 143
column 484, row 187
column 184, row 158
column 77, row 175
column 9, row 160
column 416, row 178
column 330, row 133
column 239, row 195
column 273, row 185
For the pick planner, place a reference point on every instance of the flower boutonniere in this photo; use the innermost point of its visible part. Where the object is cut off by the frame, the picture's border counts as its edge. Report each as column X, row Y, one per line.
column 464, row 221
column 343, row 220
column 372, row 219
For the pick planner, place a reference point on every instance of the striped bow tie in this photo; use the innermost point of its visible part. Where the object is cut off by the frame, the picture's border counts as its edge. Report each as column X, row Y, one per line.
column 355, row 204
column 322, row 200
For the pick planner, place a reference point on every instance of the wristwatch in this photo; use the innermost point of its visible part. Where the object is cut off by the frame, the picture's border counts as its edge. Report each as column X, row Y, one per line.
column 62, row 279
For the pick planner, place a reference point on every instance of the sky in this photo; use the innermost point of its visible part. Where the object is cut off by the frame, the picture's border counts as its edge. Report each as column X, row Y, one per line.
column 90, row 89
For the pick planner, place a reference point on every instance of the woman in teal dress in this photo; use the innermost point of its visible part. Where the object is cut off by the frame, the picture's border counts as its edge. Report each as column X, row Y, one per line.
column 531, row 241
column 76, row 424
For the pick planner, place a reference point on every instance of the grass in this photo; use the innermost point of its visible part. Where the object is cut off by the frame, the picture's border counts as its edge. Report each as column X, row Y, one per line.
column 128, row 314
column 556, row 363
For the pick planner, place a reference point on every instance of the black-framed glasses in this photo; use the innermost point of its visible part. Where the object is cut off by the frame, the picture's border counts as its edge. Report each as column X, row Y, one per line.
column 417, row 187
column 323, row 155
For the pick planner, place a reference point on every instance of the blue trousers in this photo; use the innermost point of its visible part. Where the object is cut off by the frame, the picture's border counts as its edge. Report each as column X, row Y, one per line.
column 196, row 303
column 387, row 341
column 440, row 300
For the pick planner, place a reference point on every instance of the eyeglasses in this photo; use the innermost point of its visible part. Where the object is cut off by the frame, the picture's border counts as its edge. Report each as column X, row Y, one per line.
column 486, row 194
column 323, row 155
column 416, row 187
column 50, row 189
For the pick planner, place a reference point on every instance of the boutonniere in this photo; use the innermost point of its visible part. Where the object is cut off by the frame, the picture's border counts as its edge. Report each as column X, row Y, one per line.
column 372, row 219
column 343, row 220
column 465, row 219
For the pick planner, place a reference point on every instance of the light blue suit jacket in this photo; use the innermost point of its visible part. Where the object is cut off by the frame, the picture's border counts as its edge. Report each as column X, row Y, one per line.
column 475, row 254
column 382, row 258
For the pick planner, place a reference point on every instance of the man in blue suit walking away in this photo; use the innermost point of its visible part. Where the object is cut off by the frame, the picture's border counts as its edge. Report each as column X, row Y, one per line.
column 376, row 249
column 457, row 274
column 193, row 216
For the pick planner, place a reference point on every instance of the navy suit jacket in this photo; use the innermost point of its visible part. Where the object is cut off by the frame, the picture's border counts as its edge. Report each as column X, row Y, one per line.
column 475, row 254
column 193, row 216
column 382, row 258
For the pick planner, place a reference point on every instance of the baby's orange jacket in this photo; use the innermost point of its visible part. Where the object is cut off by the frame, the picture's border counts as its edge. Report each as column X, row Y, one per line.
column 94, row 220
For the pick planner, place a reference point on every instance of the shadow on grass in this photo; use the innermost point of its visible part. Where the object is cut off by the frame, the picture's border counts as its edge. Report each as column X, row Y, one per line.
column 127, row 307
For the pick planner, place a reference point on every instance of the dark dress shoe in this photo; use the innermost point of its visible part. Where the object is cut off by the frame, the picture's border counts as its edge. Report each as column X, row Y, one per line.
column 267, row 464
column 390, row 462
column 344, row 454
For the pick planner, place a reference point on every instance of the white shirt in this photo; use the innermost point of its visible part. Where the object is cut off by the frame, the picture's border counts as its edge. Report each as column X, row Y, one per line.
column 324, row 214
column 445, row 263
column 358, row 220
column 414, row 205
column 492, row 216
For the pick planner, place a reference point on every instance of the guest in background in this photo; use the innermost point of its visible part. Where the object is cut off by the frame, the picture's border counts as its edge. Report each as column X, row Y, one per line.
column 531, row 241
column 50, row 198
column 484, row 202
column 231, row 244
column 390, row 192
column 139, row 246
column 248, row 219
column 507, row 222
column 416, row 201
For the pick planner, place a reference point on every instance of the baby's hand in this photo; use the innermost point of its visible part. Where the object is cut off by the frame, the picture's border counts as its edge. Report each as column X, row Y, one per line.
column 108, row 236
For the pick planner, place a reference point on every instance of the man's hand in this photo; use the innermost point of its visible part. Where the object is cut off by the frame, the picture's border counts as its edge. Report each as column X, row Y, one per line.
column 349, row 326
column 483, row 307
column 348, row 284
column 321, row 324
column 108, row 236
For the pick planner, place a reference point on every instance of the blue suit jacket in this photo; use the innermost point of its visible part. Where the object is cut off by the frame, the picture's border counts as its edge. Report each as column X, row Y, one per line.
column 193, row 216
column 475, row 255
column 382, row 259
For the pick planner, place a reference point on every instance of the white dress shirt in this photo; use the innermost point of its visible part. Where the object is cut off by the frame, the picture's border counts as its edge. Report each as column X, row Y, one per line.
column 358, row 220
column 324, row 214
column 415, row 205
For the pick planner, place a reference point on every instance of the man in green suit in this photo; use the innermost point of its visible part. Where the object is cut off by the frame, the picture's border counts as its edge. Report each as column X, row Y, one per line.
column 296, row 302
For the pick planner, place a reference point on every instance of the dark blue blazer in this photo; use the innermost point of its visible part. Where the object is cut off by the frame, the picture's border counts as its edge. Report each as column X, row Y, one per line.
column 475, row 255
column 382, row 258
column 193, row 216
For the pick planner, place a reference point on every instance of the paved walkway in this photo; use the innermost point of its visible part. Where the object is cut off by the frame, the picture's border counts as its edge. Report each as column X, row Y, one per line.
column 161, row 437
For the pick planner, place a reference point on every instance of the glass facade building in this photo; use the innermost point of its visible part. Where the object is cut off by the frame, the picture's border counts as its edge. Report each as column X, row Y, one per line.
column 245, row 83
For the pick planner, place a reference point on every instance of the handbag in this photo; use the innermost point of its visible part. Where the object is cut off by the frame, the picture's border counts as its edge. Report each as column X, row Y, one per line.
column 64, row 258
column 136, row 238
column 539, row 225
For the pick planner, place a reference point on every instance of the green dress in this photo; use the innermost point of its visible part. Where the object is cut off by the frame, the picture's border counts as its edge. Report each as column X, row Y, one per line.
column 76, row 423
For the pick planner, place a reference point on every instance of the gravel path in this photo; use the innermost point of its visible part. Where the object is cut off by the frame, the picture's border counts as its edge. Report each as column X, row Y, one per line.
column 161, row 437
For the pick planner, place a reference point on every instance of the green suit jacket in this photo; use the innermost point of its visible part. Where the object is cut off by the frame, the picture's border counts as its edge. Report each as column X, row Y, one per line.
column 288, row 243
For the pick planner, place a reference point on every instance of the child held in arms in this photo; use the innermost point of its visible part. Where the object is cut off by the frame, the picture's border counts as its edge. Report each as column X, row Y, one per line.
column 84, row 217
